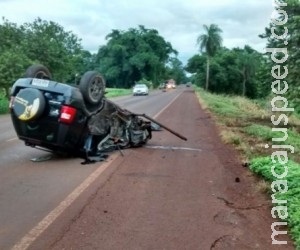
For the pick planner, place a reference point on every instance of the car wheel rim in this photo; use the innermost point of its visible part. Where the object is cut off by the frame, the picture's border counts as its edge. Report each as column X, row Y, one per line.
column 95, row 89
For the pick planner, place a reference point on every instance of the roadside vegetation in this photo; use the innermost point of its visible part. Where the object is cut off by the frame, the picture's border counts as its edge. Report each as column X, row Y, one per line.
column 239, row 98
column 128, row 56
column 246, row 124
column 113, row 92
column 3, row 102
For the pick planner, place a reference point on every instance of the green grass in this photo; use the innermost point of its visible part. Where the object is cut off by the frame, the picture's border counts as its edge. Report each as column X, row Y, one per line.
column 262, row 166
column 3, row 103
column 246, row 124
column 266, row 134
column 260, row 131
column 113, row 92
column 231, row 106
column 221, row 105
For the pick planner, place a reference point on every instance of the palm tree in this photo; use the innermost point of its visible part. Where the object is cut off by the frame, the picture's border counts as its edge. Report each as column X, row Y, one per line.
column 209, row 42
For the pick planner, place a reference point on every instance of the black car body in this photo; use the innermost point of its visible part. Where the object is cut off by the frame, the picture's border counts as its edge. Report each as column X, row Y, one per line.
column 61, row 124
column 74, row 119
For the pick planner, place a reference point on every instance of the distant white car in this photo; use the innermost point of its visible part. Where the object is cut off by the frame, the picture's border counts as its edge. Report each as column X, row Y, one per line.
column 140, row 89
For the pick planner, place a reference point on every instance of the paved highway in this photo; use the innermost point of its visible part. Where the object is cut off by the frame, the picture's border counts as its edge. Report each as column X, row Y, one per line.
column 169, row 194
column 30, row 190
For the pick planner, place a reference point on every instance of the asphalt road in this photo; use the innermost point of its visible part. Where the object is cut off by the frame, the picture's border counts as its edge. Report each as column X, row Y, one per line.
column 30, row 190
column 170, row 194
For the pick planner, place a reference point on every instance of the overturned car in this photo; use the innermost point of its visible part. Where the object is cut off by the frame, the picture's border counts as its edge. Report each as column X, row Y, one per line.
column 77, row 120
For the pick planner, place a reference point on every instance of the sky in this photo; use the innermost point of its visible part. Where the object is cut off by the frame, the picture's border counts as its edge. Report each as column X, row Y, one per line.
column 180, row 22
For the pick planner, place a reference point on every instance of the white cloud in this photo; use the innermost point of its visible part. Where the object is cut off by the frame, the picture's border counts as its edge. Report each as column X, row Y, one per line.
column 179, row 22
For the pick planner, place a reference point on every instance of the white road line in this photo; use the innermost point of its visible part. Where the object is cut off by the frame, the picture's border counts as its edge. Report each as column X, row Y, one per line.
column 34, row 233
column 167, row 106
column 12, row 139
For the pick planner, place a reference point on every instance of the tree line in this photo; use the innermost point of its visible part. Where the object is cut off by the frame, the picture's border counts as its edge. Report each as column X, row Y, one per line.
column 234, row 71
column 237, row 71
column 138, row 54
column 245, row 71
column 142, row 54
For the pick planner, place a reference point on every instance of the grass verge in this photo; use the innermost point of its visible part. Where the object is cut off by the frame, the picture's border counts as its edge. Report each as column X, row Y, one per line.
column 112, row 92
column 290, row 198
column 3, row 105
column 247, row 125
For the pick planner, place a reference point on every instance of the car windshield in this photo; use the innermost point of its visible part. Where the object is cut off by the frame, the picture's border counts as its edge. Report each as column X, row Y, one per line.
column 140, row 86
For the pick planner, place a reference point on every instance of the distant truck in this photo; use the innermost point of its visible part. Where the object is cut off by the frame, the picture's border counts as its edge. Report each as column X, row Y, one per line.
column 170, row 84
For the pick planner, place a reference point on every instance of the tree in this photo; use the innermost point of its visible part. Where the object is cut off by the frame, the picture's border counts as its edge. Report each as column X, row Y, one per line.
column 194, row 66
column 286, row 36
column 209, row 42
column 246, row 62
column 132, row 55
column 13, row 59
column 11, row 35
column 81, row 62
column 263, row 77
column 233, row 71
column 12, row 63
column 195, row 63
column 45, row 43
column 49, row 44
column 175, row 71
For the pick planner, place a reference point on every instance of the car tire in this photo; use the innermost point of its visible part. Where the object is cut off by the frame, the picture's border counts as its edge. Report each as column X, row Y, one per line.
column 38, row 71
column 92, row 87
column 29, row 104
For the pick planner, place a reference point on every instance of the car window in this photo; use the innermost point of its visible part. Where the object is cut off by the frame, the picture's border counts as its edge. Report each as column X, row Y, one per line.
column 140, row 86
